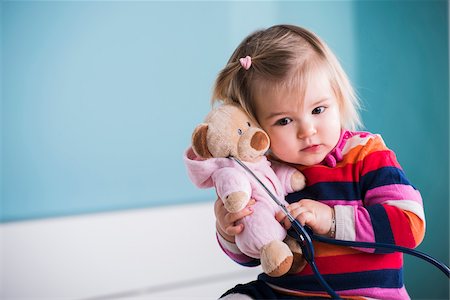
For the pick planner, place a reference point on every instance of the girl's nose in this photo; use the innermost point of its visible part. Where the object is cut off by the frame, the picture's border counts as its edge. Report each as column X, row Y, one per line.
column 306, row 129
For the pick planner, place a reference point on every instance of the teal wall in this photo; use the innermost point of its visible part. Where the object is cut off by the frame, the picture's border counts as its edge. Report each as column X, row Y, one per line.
column 98, row 99
column 403, row 78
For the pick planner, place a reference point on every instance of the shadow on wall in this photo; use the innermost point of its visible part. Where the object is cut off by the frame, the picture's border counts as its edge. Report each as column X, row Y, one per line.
column 402, row 77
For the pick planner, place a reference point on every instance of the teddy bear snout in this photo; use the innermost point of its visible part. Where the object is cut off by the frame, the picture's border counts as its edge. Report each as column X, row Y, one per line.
column 259, row 141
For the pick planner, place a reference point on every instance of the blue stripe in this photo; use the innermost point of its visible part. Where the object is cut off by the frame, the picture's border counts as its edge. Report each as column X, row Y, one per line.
column 381, row 177
column 348, row 190
column 327, row 191
column 390, row 278
column 381, row 226
column 253, row 263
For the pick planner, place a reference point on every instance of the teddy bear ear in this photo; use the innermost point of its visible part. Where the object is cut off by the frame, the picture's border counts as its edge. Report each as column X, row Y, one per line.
column 199, row 144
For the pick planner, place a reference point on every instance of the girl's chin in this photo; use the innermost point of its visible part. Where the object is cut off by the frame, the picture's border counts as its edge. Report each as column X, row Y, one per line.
column 310, row 160
column 304, row 161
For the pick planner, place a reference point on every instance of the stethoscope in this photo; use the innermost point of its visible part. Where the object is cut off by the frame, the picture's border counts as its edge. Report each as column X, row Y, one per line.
column 304, row 236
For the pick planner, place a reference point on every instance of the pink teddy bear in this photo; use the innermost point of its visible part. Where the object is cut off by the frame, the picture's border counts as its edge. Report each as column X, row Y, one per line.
column 228, row 131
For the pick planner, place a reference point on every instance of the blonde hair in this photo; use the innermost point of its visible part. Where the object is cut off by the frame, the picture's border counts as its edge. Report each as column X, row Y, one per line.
column 284, row 56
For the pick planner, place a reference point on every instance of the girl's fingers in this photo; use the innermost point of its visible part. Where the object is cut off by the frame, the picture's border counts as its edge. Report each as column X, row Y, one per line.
column 219, row 208
column 296, row 211
column 280, row 216
column 234, row 229
column 286, row 223
column 226, row 221
column 251, row 202
column 294, row 206
column 234, row 217
column 302, row 214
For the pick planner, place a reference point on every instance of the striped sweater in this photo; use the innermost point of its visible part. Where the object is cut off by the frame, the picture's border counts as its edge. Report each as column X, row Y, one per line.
column 373, row 202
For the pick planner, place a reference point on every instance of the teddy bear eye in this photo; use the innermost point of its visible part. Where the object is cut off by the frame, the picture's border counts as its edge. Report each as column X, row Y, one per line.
column 248, row 123
column 240, row 131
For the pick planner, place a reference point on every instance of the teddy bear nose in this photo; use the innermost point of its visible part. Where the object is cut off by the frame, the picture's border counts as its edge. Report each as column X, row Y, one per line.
column 259, row 141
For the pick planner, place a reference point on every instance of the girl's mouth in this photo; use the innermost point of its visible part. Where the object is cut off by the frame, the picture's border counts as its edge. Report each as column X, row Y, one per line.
column 312, row 148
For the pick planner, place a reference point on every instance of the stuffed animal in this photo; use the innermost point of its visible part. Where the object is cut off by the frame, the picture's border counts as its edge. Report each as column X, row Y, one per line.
column 229, row 131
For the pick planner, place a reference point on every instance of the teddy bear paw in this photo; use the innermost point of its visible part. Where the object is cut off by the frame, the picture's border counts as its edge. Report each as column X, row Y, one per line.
column 298, row 181
column 236, row 201
column 276, row 258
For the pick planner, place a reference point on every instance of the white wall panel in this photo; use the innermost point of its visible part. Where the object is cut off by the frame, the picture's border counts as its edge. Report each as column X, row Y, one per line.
column 157, row 253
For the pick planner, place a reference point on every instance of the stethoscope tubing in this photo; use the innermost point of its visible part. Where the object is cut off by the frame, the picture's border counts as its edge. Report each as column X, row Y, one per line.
column 383, row 246
column 304, row 236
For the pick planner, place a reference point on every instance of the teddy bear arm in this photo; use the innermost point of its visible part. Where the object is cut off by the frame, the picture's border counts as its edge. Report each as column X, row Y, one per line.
column 233, row 187
column 291, row 179
column 298, row 181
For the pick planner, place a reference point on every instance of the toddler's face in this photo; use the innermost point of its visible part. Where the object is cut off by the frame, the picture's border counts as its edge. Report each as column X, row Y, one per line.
column 302, row 131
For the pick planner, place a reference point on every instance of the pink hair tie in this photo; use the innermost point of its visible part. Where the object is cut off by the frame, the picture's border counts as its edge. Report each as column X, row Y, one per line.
column 246, row 62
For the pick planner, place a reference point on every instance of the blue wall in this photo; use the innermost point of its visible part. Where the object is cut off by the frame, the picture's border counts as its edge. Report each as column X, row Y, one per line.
column 98, row 102
column 99, row 99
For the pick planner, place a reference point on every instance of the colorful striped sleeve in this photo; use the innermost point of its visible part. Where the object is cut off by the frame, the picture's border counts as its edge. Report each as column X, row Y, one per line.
column 235, row 254
column 392, row 210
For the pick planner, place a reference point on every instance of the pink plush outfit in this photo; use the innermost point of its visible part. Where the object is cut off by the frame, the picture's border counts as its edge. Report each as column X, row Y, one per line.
column 227, row 176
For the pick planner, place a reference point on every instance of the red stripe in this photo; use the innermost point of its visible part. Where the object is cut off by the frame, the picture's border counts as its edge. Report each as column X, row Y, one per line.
column 318, row 174
column 379, row 159
column 351, row 171
column 400, row 227
column 360, row 262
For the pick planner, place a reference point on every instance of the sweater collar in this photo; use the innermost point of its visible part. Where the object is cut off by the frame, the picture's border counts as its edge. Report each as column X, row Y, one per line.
column 335, row 155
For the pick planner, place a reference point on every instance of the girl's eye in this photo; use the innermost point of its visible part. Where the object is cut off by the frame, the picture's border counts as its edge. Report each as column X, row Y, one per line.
column 284, row 121
column 318, row 110
column 248, row 123
column 240, row 131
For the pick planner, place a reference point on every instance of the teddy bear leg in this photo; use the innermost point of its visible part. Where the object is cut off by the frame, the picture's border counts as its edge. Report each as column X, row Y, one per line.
column 299, row 261
column 276, row 258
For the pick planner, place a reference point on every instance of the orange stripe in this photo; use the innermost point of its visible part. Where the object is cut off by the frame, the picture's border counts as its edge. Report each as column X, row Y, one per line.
column 376, row 144
column 417, row 226
column 372, row 145
column 352, row 156
column 324, row 250
column 309, row 294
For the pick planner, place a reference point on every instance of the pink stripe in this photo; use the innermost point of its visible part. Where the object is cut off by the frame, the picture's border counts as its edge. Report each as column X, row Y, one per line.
column 378, row 293
column 392, row 192
column 364, row 227
column 332, row 203
column 237, row 257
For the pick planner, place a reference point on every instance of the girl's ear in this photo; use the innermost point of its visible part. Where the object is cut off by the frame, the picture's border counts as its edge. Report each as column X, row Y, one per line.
column 199, row 144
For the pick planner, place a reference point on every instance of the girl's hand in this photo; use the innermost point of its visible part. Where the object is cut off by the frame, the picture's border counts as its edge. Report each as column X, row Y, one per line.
column 226, row 221
column 316, row 215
